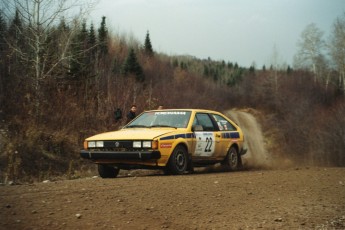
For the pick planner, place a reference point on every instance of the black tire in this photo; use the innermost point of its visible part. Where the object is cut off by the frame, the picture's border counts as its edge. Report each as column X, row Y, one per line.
column 233, row 160
column 106, row 171
column 178, row 162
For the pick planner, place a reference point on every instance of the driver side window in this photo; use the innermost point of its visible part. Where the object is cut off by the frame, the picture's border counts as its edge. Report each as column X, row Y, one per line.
column 204, row 120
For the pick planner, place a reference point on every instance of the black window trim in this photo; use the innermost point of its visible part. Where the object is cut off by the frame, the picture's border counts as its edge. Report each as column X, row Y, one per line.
column 214, row 123
column 217, row 127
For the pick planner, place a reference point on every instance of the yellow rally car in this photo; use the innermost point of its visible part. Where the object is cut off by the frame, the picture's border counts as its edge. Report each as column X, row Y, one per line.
column 175, row 140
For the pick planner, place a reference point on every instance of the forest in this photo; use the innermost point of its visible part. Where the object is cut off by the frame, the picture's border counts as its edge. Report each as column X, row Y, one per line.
column 62, row 78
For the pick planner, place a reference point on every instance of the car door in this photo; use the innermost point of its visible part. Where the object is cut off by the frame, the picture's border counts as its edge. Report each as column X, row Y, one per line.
column 227, row 132
column 207, row 139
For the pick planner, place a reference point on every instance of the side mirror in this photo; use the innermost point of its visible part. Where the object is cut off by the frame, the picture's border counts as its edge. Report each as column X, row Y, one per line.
column 197, row 128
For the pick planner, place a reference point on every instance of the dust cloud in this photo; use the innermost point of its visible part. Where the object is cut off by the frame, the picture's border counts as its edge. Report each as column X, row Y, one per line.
column 257, row 155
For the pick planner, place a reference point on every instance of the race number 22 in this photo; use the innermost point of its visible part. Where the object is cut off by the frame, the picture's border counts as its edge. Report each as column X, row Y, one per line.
column 209, row 143
column 204, row 144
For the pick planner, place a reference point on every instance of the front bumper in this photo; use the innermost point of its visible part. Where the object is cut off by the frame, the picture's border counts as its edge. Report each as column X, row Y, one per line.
column 139, row 155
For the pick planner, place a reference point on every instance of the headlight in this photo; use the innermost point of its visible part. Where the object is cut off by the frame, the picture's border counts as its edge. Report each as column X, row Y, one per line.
column 91, row 144
column 142, row 144
column 146, row 144
column 95, row 144
column 136, row 144
column 99, row 144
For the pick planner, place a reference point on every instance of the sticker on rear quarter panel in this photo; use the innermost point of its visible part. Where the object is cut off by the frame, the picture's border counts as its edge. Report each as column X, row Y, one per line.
column 205, row 142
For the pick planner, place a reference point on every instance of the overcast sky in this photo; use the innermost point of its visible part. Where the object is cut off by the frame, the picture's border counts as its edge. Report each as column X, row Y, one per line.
column 242, row 31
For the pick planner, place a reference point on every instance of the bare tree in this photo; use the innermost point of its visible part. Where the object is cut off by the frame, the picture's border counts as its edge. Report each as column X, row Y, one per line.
column 337, row 49
column 311, row 46
column 39, row 18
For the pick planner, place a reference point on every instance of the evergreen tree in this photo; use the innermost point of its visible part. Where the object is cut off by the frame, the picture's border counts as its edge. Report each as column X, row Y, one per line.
column 3, row 45
column 231, row 81
column 92, row 37
column 183, row 65
column 15, row 32
column 91, row 43
column 15, row 25
column 83, row 33
column 3, row 29
column 83, row 38
column 3, row 70
column 51, row 48
column 236, row 77
column 13, row 70
column 206, row 71
column 78, row 48
column 289, row 70
column 16, row 39
column 223, row 64
column 175, row 63
column 252, row 69
column 63, row 26
column 63, row 31
column 216, row 75
column 103, row 38
column 148, row 46
column 132, row 66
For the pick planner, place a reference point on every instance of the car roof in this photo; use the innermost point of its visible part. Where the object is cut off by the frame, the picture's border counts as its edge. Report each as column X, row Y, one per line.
column 191, row 110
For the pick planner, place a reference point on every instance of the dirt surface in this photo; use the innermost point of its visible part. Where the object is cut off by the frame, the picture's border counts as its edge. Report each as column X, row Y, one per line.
column 296, row 198
column 289, row 198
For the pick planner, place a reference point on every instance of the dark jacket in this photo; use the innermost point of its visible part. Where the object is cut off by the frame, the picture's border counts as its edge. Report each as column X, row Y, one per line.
column 130, row 116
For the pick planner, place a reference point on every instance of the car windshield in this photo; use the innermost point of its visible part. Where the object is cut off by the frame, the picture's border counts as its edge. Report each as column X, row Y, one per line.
column 151, row 119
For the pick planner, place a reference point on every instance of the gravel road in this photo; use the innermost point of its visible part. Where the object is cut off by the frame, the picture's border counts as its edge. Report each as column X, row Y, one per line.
column 296, row 198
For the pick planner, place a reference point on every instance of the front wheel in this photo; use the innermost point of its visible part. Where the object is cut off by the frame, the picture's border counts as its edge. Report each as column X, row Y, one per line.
column 106, row 171
column 178, row 161
column 233, row 160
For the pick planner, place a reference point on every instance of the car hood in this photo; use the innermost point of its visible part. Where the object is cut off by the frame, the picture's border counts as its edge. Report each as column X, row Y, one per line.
column 131, row 134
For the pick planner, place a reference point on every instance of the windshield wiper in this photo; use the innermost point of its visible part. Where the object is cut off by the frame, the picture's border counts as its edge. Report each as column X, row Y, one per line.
column 153, row 126
column 136, row 126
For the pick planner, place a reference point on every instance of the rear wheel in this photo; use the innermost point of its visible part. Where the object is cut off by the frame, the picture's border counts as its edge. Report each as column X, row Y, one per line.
column 233, row 160
column 106, row 171
column 178, row 161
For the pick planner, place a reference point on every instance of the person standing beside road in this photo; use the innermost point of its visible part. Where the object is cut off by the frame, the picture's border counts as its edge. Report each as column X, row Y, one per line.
column 131, row 115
